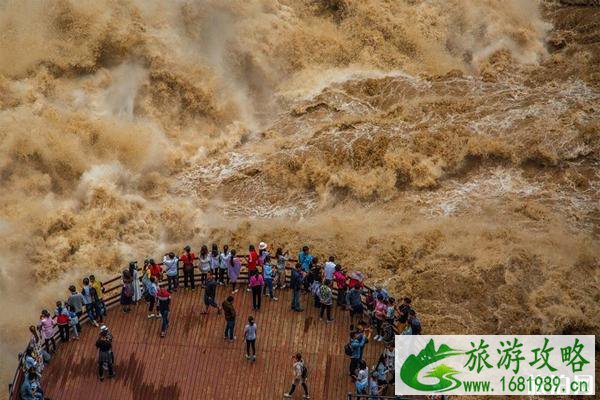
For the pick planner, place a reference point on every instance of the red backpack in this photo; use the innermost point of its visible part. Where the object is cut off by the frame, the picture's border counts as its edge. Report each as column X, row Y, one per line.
column 62, row 319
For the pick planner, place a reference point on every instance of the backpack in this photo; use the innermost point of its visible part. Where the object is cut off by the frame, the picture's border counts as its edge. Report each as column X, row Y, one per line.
column 61, row 318
column 315, row 288
column 348, row 349
column 304, row 372
column 127, row 291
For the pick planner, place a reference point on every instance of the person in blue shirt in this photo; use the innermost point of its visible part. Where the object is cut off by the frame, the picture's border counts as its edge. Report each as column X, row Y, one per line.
column 296, row 282
column 354, row 301
column 356, row 344
column 268, row 277
column 305, row 258
column 30, row 388
column 414, row 323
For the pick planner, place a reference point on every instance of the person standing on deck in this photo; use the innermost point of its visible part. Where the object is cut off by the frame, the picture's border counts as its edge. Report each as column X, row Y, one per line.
column 250, row 337
column 379, row 316
column 329, row 268
column 96, row 284
column 187, row 258
column 210, row 293
column 105, row 358
column 229, row 312
column 282, row 259
column 61, row 314
column 305, row 259
column 155, row 270
column 300, row 376
column 90, row 300
column 73, row 321
column 296, row 283
column 233, row 271
column 256, row 283
column 340, row 281
column 252, row 262
column 414, row 322
column 356, row 345
column 109, row 337
column 355, row 302
column 164, row 302
column 326, row 300
column 150, row 292
column 75, row 300
column 215, row 261
column 30, row 388
column 224, row 261
column 126, row 292
column 171, row 263
column 268, row 278
column 46, row 327
column 135, row 282
column 404, row 310
column 204, row 264
column 362, row 378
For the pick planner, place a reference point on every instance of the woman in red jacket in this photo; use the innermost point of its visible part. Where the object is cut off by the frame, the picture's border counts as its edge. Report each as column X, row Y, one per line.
column 252, row 262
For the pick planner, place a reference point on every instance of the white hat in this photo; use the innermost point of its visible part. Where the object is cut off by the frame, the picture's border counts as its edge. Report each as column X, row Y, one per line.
column 262, row 246
column 103, row 328
column 357, row 275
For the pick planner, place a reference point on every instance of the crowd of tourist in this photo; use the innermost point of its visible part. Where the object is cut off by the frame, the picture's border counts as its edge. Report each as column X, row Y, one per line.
column 374, row 314
column 88, row 299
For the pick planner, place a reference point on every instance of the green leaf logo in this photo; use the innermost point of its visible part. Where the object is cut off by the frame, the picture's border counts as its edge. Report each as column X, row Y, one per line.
column 409, row 373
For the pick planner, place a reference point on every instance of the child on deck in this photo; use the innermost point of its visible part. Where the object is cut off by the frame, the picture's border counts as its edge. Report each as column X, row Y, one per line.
column 73, row 321
column 250, row 337
column 62, row 320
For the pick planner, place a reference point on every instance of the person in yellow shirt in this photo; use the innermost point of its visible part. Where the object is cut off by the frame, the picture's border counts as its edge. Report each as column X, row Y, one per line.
column 96, row 284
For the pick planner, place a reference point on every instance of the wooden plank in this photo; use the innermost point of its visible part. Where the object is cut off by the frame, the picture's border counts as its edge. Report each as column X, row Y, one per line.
column 194, row 361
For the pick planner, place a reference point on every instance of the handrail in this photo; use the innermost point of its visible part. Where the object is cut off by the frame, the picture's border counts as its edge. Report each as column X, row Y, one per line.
column 13, row 387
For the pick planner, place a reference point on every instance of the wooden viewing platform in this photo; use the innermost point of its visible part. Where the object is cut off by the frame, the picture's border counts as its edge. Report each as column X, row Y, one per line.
column 194, row 361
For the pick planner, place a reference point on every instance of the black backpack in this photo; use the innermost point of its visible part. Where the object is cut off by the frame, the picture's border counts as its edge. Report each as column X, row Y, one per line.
column 304, row 372
column 348, row 349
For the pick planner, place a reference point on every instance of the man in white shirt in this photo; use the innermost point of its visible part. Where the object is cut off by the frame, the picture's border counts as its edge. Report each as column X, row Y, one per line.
column 300, row 375
column 329, row 268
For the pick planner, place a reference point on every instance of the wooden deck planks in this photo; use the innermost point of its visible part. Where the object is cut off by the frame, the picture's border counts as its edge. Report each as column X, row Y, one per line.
column 194, row 361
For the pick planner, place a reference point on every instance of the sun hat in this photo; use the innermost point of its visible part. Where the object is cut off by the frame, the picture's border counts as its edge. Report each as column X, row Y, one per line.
column 262, row 246
column 357, row 275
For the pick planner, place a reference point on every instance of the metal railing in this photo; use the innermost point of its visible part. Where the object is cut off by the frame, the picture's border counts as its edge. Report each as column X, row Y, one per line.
column 112, row 289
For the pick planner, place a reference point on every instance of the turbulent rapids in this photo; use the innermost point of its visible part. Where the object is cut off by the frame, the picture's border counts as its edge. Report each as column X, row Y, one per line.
column 448, row 148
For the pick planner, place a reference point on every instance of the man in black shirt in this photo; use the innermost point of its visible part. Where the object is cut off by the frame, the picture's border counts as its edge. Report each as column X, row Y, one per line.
column 296, row 283
column 404, row 310
column 105, row 358
column 210, row 293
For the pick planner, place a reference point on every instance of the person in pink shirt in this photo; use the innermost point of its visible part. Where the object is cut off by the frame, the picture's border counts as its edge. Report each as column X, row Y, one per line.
column 256, row 284
column 340, row 279
column 380, row 314
column 46, row 327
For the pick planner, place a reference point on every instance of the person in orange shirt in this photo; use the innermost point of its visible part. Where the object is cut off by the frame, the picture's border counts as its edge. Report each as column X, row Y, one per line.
column 187, row 258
